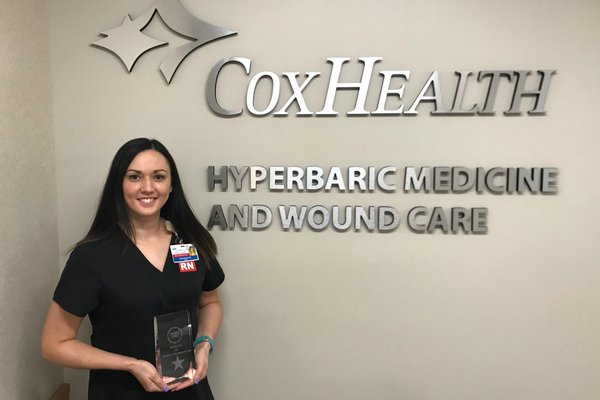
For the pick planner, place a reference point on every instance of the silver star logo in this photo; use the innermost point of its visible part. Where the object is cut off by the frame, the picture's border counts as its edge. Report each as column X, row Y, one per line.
column 178, row 363
column 128, row 42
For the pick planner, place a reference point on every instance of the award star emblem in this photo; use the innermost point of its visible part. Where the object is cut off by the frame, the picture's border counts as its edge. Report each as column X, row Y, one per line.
column 178, row 363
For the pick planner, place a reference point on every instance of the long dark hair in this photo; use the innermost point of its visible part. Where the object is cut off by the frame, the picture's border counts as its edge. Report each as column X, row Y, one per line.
column 112, row 217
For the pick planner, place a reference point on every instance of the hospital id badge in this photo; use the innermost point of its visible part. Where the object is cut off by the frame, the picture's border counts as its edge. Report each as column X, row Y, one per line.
column 183, row 252
column 173, row 346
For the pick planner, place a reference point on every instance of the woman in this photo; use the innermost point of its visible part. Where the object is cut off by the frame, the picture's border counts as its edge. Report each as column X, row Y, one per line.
column 123, row 274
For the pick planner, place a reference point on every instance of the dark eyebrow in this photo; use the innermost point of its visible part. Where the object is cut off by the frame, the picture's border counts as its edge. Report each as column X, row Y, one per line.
column 139, row 172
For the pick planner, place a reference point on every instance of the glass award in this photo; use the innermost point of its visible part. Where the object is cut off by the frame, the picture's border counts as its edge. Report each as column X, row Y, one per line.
column 173, row 346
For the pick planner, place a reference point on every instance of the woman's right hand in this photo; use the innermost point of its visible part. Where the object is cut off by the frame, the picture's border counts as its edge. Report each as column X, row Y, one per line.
column 148, row 376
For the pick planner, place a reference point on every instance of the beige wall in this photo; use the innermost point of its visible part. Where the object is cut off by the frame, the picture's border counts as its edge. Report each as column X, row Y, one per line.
column 509, row 315
column 28, row 228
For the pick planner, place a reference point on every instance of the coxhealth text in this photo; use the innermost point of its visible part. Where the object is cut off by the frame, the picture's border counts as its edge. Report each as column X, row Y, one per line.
column 522, row 83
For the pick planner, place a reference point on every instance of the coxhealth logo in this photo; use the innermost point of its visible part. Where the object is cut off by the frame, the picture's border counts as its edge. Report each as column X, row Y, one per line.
column 128, row 42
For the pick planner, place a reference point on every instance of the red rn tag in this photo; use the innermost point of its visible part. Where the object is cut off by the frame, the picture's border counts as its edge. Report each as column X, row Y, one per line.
column 187, row 266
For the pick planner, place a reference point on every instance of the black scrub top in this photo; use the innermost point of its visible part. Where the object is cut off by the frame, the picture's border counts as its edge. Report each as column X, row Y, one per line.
column 113, row 282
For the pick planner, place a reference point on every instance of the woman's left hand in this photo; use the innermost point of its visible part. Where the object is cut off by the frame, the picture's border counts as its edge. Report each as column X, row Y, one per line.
column 210, row 316
column 201, row 352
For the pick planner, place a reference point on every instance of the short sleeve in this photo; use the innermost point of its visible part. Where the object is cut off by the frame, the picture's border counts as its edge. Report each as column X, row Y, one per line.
column 78, row 289
column 214, row 276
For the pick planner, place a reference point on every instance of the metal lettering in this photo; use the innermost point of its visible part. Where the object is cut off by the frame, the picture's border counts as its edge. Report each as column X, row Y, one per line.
column 383, row 185
column 238, row 176
column 312, row 220
column 335, row 178
column 438, row 220
column 540, row 94
column 459, row 96
column 389, row 219
column 292, row 217
column 217, row 217
column 214, row 178
column 239, row 216
column 356, row 176
column 297, row 93
column 436, row 97
column 469, row 179
column 314, row 178
column 386, row 92
column 412, row 222
column 367, row 219
column 488, row 108
column 294, row 177
column 335, row 84
column 275, row 89
column 549, row 180
column 461, row 218
column 414, row 182
column 441, row 179
column 489, row 180
column 257, row 174
column 211, row 86
column 511, row 180
column 479, row 220
column 480, row 180
column 372, row 179
column 276, row 178
column 262, row 216
column 337, row 224
column 530, row 178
